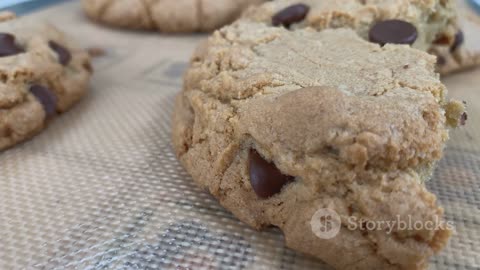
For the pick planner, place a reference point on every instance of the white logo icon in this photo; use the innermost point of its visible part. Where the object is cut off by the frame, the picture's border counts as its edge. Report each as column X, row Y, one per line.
column 325, row 223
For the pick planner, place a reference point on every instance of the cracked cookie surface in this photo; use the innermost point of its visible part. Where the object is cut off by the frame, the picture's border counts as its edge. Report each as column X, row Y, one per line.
column 42, row 73
column 355, row 128
column 435, row 20
column 166, row 15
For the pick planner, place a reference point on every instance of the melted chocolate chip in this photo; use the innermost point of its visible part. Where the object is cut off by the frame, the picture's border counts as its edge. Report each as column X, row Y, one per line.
column 64, row 55
column 459, row 39
column 463, row 119
column 290, row 15
column 441, row 60
column 87, row 66
column 46, row 97
column 393, row 31
column 265, row 178
column 8, row 46
column 442, row 40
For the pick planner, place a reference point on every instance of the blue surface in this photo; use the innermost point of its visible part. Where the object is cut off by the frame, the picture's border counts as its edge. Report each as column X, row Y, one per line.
column 475, row 4
column 26, row 7
column 7, row 3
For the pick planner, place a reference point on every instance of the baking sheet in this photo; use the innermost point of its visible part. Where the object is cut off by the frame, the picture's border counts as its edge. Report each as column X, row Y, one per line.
column 101, row 188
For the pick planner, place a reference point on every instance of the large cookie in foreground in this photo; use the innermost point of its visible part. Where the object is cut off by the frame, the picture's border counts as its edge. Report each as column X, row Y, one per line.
column 167, row 16
column 41, row 74
column 278, row 124
column 427, row 25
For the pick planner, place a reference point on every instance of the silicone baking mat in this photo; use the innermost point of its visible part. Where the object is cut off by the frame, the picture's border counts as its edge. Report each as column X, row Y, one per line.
column 101, row 188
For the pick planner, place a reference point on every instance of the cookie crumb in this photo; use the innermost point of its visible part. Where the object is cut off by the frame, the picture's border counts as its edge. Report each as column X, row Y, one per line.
column 96, row 51
column 456, row 114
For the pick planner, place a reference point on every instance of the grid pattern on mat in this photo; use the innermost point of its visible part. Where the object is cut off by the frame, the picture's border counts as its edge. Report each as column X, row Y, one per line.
column 101, row 188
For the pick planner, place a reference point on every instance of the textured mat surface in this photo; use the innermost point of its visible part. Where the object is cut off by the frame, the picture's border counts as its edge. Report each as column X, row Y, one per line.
column 101, row 188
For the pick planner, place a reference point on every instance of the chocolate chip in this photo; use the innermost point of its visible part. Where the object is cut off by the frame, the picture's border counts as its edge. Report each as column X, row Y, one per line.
column 290, row 15
column 442, row 40
column 265, row 177
column 87, row 66
column 46, row 97
column 441, row 60
column 8, row 46
column 64, row 55
column 459, row 39
column 463, row 119
column 393, row 31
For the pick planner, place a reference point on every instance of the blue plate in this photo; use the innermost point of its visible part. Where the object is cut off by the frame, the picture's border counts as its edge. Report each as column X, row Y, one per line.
column 28, row 6
column 475, row 4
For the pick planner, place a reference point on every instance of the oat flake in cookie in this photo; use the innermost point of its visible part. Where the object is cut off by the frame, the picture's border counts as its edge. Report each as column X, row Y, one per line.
column 167, row 15
column 42, row 74
column 278, row 124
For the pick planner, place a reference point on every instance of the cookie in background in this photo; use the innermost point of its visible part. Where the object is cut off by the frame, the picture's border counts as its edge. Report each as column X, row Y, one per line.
column 167, row 16
column 43, row 74
column 435, row 23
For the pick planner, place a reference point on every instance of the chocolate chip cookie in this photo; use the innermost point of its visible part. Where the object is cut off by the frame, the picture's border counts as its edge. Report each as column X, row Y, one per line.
column 281, row 124
column 427, row 25
column 454, row 57
column 166, row 15
column 42, row 73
